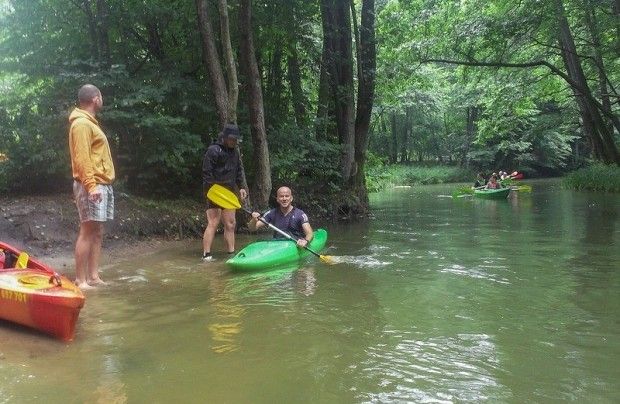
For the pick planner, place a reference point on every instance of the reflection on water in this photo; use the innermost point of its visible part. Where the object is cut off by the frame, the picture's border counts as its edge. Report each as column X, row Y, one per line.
column 432, row 299
column 227, row 320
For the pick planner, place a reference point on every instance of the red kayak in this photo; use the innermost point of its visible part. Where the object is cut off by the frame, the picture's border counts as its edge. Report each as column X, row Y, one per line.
column 34, row 295
column 516, row 176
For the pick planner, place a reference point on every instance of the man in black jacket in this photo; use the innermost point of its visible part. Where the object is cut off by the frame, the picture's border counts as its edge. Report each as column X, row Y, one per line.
column 222, row 165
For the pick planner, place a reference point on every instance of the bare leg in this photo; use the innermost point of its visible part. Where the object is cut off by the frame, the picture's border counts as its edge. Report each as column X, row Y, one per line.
column 213, row 220
column 228, row 217
column 95, row 252
column 83, row 247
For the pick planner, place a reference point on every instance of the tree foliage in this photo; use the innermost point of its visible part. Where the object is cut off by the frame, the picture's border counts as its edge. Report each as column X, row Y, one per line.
column 505, row 100
column 526, row 115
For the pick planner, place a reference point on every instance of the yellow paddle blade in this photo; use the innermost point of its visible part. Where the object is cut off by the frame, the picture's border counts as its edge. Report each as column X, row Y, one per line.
column 223, row 197
column 462, row 191
column 35, row 281
column 522, row 188
column 327, row 259
column 22, row 261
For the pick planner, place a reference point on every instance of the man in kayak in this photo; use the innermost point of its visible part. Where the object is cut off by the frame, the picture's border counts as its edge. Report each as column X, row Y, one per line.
column 93, row 174
column 222, row 165
column 493, row 184
column 287, row 218
column 480, row 181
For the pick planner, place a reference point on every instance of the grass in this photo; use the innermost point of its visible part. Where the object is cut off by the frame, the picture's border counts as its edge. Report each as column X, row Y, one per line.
column 598, row 177
column 383, row 177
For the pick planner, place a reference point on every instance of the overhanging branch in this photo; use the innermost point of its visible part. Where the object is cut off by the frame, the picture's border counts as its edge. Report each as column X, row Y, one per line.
column 535, row 63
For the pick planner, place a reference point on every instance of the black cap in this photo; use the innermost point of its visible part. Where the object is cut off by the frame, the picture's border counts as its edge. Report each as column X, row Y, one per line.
column 231, row 130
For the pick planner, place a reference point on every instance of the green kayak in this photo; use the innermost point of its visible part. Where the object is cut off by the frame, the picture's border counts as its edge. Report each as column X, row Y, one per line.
column 501, row 193
column 274, row 253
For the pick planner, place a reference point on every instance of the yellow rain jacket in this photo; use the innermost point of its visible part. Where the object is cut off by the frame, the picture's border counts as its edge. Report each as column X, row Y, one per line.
column 91, row 160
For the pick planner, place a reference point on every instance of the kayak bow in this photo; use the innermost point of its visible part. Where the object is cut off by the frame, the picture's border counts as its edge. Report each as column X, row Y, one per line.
column 272, row 253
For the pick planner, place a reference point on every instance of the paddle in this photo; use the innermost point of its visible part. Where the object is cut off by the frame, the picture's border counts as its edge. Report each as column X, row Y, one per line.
column 22, row 260
column 228, row 200
column 522, row 188
column 506, row 182
column 465, row 191
column 512, row 184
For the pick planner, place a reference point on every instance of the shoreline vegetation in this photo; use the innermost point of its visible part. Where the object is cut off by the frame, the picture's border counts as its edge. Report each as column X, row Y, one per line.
column 384, row 177
column 597, row 177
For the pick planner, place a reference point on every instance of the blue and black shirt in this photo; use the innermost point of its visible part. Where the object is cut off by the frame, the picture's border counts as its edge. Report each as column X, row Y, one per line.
column 291, row 223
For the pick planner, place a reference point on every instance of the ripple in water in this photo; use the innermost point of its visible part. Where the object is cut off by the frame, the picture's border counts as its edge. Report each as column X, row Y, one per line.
column 438, row 370
column 134, row 279
column 139, row 276
column 361, row 261
column 478, row 272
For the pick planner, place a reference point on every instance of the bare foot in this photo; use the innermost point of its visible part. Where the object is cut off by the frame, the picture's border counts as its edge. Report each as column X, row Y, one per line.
column 96, row 282
column 83, row 285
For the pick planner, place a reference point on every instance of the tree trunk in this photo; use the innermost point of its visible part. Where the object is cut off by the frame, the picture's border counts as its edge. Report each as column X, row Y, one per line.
column 592, row 24
column 407, row 139
column 367, row 64
column 615, row 9
column 212, row 62
column 470, row 133
column 326, row 111
column 229, row 59
column 275, row 89
column 404, row 145
column 322, row 108
column 600, row 137
column 92, row 29
column 327, row 76
column 356, row 37
column 262, row 181
column 297, row 94
column 394, row 138
column 154, row 41
column 102, row 33
column 408, row 135
column 342, row 86
column 293, row 70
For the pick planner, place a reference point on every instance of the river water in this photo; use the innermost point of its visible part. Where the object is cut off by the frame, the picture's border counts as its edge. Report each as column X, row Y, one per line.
column 431, row 300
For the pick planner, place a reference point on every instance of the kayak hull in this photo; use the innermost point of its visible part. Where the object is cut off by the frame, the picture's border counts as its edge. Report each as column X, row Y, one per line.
column 501, row 193
column 39, row 298
column 274, row 253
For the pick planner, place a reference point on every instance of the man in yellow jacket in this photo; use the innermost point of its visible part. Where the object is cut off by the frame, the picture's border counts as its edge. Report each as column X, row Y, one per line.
column 93, row 174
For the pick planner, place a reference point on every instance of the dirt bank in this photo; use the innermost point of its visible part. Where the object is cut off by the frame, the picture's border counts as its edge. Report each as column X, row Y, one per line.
column 46, row 226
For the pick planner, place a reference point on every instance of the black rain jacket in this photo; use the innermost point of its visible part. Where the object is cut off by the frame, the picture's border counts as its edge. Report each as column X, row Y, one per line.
column 222, row 165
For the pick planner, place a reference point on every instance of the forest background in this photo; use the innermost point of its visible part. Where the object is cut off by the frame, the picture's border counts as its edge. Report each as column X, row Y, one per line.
column 336, row 97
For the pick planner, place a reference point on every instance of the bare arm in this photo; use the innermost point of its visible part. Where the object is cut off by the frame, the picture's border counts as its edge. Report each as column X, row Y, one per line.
column 308, row 235
column 255, row 224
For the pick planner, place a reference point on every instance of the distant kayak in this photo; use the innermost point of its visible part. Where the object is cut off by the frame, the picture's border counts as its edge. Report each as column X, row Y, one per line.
column 273, row 253
column 32, row 294
column 501, row 193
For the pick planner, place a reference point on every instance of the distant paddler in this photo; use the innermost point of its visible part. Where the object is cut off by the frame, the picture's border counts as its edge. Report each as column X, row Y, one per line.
column 481, row 180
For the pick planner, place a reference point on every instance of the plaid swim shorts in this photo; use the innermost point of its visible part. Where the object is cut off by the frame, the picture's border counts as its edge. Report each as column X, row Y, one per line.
column 94, row 211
